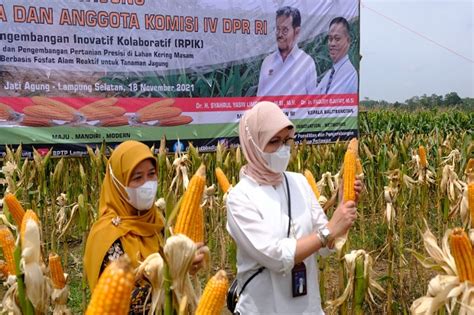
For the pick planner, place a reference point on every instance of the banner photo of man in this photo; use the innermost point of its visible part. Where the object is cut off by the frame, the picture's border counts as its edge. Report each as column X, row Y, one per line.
column 86, row 72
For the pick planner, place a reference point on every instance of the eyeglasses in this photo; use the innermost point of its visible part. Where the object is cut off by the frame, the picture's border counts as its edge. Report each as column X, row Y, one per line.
column 280, row 142
column 283, row 31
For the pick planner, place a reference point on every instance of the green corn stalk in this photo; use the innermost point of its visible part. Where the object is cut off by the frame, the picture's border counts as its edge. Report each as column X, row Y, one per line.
column 360, row 286
column 26, row 306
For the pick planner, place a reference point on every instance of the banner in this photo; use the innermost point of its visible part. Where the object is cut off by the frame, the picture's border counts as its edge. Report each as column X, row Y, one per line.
column 77, row 73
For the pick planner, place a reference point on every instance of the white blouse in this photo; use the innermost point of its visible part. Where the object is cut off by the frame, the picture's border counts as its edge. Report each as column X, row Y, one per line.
column 257, row 219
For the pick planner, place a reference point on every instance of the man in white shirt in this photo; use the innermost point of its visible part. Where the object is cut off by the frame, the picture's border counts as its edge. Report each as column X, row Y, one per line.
column 342, row 77
column 288, row 70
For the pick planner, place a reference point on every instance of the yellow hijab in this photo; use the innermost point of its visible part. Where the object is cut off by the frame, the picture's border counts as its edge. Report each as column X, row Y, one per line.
column 139, row 234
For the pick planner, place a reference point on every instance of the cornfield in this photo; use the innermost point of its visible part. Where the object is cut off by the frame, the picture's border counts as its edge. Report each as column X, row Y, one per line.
column 403, row 199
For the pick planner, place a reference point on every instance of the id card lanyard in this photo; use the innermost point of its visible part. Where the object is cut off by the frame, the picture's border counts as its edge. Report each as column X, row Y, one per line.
column 298, row 273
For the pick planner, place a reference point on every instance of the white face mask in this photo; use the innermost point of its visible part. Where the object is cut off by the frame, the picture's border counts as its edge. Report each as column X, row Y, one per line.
column 141, row 198
column 278, row 160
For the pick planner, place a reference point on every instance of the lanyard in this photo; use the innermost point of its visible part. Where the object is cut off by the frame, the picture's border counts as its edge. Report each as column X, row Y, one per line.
column 289, row 204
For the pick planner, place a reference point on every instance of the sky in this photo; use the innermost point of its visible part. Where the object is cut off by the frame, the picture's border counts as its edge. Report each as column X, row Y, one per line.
column 398, row 64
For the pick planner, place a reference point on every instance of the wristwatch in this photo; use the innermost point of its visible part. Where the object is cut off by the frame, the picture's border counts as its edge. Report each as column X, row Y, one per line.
column 324, row 234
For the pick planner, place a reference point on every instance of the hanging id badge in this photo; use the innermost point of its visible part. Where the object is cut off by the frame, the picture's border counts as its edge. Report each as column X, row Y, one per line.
column 298, row 280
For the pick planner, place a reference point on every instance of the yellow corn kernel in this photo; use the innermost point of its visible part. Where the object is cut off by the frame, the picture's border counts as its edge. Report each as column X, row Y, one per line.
column 7, row 242
column 461, row 249
column 15, row 208
column 222, row 180
column 422, row 154
column 113, row 291
column 349, row 175
column 359, row 169
column 214, row 295
column 29, row 215
column 3, row 269
column 56, row 271
column 190, row 217
column 353, row 146
column 469, row 167
column 312, row 182
column 470, row 202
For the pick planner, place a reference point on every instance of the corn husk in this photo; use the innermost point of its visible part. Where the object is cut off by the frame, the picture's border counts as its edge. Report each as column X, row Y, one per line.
column 179, row 252
column 151, row 269
column 37, row 288
column 372, row 287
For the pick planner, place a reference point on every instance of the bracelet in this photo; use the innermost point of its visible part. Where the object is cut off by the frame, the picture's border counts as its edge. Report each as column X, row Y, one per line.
column 321, row 238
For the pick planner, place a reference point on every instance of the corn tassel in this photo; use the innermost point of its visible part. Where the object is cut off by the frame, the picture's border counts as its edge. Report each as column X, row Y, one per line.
column 15, row 208
column 113, row 291
column 349, row 175
column 312, row 182
column 213, row 298
column 222, row 180
column 56, row 270
column 7, row 241
column 422, row 155
column 461, row 249
column 190, row 217
column 470, row 202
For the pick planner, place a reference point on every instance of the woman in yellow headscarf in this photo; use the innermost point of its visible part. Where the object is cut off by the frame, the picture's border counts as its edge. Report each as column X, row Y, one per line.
column 128, row 222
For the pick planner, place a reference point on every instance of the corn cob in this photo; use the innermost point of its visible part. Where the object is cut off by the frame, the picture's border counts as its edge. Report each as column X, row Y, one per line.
column 176, row 121
column 105, row 102
column 190, row 217
column 159, row 114
column 29, row 215
column 349, row 174
column 312, row 182
column 6, row 112
column 422, row 155
column 359, row 169
column 33, row 121
column 7, row 241
column 469, row 167
column 198, row 229
column 150, row 108
column 3, row 269
column 115, row 121
column 48, row 112
column 56, row 271
column 214, row 295
column 98, row 113
column 53, row 104
column 15, row 208
column 222, row 180
column 470, row 202
column 461, row 249
column 113, row 291
column 353, row 145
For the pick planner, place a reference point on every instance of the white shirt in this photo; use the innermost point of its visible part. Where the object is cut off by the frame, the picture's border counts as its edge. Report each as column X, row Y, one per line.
column 257, row 219
column 344, row 80
column 294, row 76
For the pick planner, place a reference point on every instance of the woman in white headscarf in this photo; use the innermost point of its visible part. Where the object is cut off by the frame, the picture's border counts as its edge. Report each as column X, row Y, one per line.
column 276, row 221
